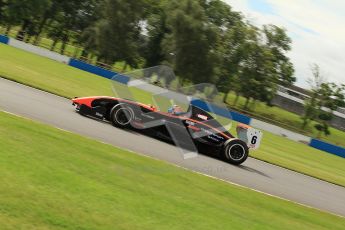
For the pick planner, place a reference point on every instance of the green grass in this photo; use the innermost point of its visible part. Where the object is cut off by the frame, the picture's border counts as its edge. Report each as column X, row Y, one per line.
column 300, row 157
column 51, row 179
column 55, row 77
column 69, row 82
column 71, row 50
column 52, row 76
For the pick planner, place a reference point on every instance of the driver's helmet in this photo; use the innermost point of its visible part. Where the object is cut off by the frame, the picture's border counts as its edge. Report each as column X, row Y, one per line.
column 175, row 110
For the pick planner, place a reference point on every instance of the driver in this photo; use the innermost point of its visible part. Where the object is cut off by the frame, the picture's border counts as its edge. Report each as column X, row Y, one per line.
column 175, row 110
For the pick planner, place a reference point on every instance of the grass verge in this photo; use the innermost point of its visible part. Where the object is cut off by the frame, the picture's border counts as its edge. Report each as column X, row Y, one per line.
column 66, row 81
column 52, row 179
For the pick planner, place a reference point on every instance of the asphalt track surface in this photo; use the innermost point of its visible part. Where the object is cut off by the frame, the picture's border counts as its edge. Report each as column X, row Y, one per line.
column 255, row 174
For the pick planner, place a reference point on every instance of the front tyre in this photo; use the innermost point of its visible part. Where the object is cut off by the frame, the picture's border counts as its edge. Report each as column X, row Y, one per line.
column 81, row 109
column 235, row 151
column 121, row 116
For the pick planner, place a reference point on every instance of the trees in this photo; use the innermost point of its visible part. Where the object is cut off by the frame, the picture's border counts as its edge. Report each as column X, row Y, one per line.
column 61, row 19
column 330, row 97
column 220, row 14
column 68, row 20
column 3, row 4
column 118, row 31
column 265, row 64
column 156, row 31
column 50, row 13
column 190, row 47
column 279, row 43
column 255, row 69
column 310, row 104
column 325, row 99
column 28, row 14
column 204, row 40
column 189, row 35
column 7, row 15
column 231, row 34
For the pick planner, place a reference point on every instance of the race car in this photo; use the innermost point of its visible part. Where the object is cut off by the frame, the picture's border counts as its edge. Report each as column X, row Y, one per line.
column 194, row 126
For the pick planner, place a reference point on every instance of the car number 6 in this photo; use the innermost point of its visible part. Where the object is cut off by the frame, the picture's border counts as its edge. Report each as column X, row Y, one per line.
column 253, row 141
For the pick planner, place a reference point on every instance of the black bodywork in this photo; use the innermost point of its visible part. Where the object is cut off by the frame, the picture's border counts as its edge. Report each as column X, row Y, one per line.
column 195, row 126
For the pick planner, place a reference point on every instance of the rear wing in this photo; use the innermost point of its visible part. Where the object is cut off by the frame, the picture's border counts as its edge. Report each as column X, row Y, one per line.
column 252, row 137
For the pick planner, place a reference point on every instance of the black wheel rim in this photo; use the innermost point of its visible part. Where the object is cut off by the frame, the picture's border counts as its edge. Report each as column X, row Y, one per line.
column 236, row 152
column 123, row 116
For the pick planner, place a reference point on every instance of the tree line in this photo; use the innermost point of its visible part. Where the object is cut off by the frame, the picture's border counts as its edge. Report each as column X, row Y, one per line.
column 326, row 97
column 203, row 40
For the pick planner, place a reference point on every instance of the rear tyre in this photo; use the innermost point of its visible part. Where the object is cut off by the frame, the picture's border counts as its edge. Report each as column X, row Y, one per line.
column 235, row 151
column 121, row 116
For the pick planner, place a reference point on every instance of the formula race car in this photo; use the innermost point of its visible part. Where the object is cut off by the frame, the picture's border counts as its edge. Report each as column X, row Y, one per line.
column 191, row 129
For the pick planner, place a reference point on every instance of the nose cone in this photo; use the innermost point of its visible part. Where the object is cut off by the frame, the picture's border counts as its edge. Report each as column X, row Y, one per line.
column 77, row 100
column 83, row 100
